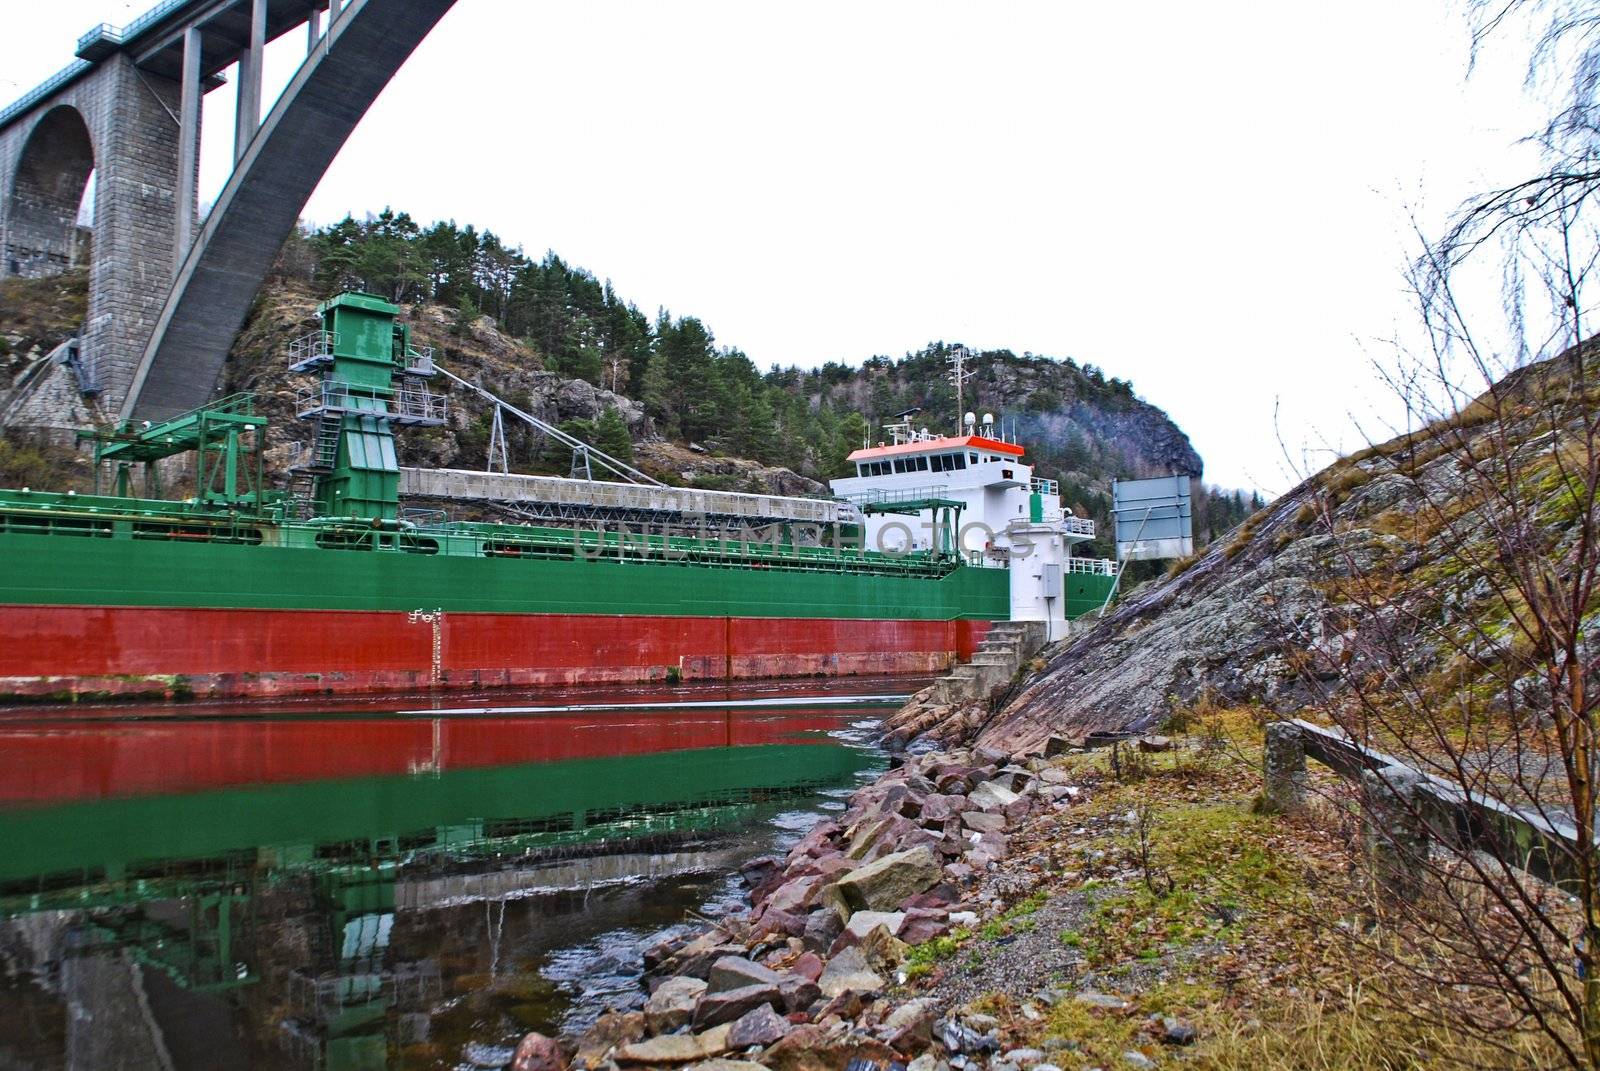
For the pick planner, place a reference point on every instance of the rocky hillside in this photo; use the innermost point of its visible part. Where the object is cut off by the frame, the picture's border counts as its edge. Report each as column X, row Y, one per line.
column 1081, row 427
column 36, row 316
column 476, row 351
column 1385, row 559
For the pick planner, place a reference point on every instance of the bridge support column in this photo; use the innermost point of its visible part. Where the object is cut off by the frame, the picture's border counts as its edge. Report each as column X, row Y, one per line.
column 188, row 146
column 248, row 113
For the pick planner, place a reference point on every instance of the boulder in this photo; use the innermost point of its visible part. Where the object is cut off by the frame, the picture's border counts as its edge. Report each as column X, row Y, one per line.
column 909, row 1028
column 848, row 971
column 1015, row 778
column 874, row 839
column 781, row 922
column 676, row 1048
column 535, row 1052
column 714, row 1009
column 1177, row 1031
column 816, row 842
column 826, row 1048
column 1055, row 775
column 988, row 848
column 882, row 950
column 758, row 872
column 808, row 965
column 1155, row 743
column 760, row 1026
column 672, row 1004
column 799, row 992
column 822, row 929
column 864, row 922
column 724, row 1064
column 966, row 1038
column 1060, row 745
column 938, row 808
column 609, row 1031
column 696, row 957
column 923, row 924
column 984, row 821
column 794, row 896
column 847, row 1006
column 884, row 883
column 736, row 972
column 657, row 951
column 992, row 796
column 1019, row 809
column 941, row 896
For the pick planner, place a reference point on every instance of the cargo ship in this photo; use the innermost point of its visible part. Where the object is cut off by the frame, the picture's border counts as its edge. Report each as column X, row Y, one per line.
column 328, row 586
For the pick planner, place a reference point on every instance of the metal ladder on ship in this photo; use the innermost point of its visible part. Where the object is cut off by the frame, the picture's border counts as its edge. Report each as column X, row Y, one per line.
column 302, row 482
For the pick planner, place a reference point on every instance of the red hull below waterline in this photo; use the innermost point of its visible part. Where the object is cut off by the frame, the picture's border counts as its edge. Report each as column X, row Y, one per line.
column 97, row 652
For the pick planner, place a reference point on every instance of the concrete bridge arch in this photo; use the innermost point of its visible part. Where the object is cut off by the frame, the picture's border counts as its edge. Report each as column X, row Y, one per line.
column 166, row 296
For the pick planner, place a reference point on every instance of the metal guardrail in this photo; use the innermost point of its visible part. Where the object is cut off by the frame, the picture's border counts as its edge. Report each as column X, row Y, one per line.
column 122, row 35
column 1075, row 525
column 419, row 361
column 49, row 87
column 1093, row 566
column 406, row 405
column 105, row 31
column 1544, row 845
column 889, row 496
column 310, row 348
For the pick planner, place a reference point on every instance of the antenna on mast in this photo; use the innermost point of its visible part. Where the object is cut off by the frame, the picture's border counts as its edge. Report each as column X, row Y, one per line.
column 959, row 375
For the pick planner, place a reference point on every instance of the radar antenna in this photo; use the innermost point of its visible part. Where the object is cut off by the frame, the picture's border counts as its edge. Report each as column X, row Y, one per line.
column 959, row 375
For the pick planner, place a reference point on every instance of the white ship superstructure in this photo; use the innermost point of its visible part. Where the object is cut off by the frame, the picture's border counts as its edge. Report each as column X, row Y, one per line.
column 972, row 494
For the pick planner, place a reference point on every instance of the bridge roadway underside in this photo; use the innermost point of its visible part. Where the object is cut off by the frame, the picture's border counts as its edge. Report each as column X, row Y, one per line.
column 261, row 203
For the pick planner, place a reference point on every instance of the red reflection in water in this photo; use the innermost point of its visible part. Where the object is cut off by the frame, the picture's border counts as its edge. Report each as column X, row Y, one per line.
column 55, row 762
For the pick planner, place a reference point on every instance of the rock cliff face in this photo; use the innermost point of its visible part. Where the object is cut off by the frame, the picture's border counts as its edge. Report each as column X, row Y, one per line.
column 1076, row 422
column 1365, row 565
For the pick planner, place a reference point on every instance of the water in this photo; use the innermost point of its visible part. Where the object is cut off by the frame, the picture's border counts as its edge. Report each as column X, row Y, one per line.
column 384, row 884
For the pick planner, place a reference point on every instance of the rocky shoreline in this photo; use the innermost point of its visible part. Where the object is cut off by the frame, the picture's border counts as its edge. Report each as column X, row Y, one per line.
column 819, row 972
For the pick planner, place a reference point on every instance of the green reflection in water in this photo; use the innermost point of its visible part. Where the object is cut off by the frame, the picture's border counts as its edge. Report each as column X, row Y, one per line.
column 285, row 900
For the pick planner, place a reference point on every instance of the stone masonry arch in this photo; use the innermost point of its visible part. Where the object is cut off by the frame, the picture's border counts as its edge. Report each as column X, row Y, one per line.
column 128, row 117
column 45, row 192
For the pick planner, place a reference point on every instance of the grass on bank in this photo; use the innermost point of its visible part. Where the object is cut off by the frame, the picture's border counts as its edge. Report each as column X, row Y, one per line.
column 1206, row 911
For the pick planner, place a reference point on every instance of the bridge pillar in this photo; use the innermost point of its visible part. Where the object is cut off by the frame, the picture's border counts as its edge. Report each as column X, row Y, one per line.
column 121, row 125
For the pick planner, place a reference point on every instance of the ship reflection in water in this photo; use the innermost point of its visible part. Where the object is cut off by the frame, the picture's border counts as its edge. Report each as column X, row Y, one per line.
column 374, row 888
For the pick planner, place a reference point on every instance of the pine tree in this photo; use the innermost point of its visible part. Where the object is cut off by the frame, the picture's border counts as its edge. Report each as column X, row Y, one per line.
column 611, row 436
column 657, row 395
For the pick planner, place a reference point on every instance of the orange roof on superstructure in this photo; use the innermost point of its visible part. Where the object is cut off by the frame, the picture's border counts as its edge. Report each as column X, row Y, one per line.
column 934, row 446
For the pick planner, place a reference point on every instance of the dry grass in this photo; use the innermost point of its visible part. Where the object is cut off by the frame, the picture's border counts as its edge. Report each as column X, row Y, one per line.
column 1240, row 937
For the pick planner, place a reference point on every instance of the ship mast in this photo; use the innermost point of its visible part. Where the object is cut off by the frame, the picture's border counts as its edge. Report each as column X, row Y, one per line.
column 959, row 375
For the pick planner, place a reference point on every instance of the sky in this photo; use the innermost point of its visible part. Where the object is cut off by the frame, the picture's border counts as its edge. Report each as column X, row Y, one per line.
column 1214, row 201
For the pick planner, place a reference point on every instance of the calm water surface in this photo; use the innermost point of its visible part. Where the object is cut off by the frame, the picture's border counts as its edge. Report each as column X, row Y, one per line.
column 406, row 884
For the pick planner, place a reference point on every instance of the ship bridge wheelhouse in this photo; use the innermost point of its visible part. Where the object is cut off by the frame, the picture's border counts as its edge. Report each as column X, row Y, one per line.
column 995, row 487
